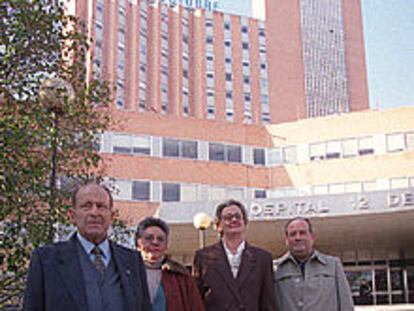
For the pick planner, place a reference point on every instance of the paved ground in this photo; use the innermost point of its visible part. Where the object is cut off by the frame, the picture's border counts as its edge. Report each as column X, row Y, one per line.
column 403, row 307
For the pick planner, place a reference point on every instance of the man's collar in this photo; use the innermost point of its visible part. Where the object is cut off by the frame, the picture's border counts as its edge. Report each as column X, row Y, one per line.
column 314, row 256
column 88, row 245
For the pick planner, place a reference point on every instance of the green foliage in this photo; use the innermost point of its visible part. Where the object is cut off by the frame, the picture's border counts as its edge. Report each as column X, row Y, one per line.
column 44, row 137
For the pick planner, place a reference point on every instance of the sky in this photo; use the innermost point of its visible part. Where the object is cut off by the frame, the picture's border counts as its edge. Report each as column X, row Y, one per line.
column 389, row 48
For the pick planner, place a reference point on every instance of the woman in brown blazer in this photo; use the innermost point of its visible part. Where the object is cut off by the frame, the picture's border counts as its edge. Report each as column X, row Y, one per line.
column 232, row 274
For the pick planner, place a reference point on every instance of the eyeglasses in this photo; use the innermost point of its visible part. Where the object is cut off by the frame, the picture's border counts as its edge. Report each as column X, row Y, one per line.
column 229, row 217
column 151, row 237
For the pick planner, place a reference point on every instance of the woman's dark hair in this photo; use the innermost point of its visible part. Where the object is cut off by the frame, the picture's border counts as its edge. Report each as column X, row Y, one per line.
column 151, row 222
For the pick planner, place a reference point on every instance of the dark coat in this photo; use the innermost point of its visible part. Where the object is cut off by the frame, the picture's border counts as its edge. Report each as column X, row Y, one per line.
column 251, row 290
column 180, row 288
column 55, row 280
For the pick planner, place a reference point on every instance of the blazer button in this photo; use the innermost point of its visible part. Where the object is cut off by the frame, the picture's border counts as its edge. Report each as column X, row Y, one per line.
column 242, row 307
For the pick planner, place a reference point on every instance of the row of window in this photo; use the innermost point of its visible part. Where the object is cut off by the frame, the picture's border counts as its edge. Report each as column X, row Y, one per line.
column 359, row 146
column 234, row 153
column 341, row 148
column 157, row 191
column 199, row 150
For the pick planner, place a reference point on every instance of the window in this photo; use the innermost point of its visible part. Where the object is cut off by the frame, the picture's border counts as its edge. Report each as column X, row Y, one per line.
column 128, row 144
column 121, row 144
column 349, row 147
column 398, row 183
column 245, row 45
column 233, row 153
column 260, row 194
column 170, row 192
column 188, row 193
column 141, row 190
column 229, row 77
column 353, row 187
column 227, row 153
column 235, row 193
column 188, row 149
column 216, row 152
column 322, row 189
column 170, row 147
column 333, row 149
column 179, row 148
column 370, row 185
column 336, row 188
column 290, row 154
column 395, row 142
column 275, row 156
column 409, row 138
column 262, row 32
column 259, row 156
column 141, row 145
column 217, row 194
column 317, row 151
column 366, row 145
column 122, row 190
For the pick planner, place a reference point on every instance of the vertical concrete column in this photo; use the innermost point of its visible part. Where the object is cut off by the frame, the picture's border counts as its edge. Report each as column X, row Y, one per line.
column 153, row 58
column 197, row 100
column 174, row 61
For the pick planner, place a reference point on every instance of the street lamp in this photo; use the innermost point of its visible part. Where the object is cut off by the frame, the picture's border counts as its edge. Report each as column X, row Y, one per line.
column 54, row 92
column 201, row 222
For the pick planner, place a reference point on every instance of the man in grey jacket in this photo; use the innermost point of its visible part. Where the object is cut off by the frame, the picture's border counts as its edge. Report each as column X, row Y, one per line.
column 306, row 279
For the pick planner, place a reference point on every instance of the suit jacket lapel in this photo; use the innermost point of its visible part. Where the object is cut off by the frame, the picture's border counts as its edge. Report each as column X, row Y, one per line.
column 247, row 264
column 124, row 266
column 69, row 269
column 222, row 264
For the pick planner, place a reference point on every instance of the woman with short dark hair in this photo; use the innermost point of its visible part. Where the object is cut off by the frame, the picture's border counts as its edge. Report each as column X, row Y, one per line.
column 170, row 285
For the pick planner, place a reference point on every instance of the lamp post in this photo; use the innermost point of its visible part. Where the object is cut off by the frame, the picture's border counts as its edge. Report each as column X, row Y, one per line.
column 201, row 222
column 54, row 93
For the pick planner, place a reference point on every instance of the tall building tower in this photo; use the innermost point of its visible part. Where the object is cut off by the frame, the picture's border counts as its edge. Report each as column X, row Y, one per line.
column 302, row 60
column 316, row 58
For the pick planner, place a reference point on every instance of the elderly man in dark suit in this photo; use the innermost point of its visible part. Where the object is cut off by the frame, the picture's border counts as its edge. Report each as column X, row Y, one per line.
column 87, row 272
column 232, row 274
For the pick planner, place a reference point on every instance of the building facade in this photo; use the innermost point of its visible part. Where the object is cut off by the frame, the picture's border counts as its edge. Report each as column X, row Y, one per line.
column 352, row 175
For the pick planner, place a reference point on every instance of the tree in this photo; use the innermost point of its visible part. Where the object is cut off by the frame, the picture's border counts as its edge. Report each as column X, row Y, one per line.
column 50, row 119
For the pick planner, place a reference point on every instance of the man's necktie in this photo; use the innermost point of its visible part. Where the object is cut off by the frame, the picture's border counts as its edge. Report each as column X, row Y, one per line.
column 98, row 262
